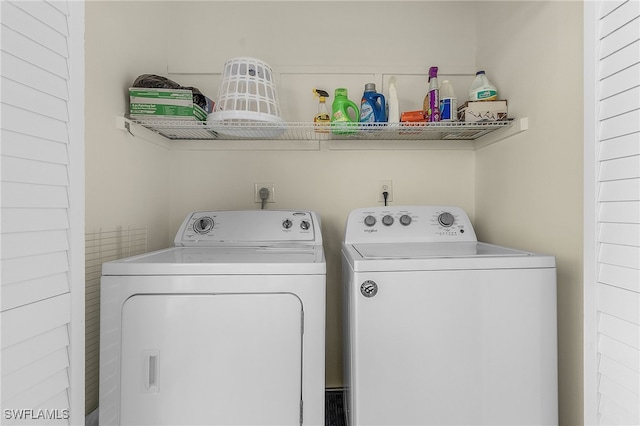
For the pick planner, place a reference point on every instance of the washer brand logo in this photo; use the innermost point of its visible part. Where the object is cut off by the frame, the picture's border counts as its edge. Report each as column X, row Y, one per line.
column 369, row 288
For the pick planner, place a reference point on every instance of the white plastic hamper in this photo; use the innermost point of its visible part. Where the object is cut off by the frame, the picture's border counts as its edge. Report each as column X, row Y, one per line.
column 247, row 93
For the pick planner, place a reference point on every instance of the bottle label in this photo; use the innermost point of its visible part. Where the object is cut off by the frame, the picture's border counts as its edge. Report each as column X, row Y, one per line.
column 487, row 95
column 449, row 109
column 366, row 113
column 322, row 120
column 433, row 113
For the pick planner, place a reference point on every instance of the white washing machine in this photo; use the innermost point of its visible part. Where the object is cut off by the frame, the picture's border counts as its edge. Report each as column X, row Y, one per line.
column 441, row 329
column 225, row 328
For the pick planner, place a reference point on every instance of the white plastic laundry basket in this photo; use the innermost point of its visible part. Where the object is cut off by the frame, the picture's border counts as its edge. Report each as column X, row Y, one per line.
column 247, row 93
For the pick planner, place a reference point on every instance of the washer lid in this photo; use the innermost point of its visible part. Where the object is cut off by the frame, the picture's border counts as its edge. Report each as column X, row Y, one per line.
column 430, row 250
column 438, row 256
column 281, row 260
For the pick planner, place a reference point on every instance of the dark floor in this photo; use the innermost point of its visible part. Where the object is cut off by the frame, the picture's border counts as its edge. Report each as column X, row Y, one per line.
column 333, row 409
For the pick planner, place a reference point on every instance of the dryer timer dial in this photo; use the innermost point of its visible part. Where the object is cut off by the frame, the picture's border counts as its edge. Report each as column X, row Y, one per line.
column 446, row 219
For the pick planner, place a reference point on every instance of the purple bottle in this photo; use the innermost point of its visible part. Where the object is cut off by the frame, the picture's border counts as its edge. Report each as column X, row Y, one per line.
column 431, row 105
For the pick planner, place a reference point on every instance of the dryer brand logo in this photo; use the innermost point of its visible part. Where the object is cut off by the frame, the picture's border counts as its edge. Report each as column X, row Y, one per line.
column 369, row 288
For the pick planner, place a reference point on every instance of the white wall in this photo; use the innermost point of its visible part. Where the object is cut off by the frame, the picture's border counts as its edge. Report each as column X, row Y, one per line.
column 529, row 188
column 129, row 180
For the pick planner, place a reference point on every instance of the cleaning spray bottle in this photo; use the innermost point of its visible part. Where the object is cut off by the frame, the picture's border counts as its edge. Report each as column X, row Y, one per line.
column 394, row 110
column 341, row 121
column 372, row 105
column 322, row 118
column 431, row 105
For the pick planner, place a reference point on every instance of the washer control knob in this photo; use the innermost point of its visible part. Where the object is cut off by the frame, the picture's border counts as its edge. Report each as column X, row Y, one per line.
column 203, row 225
column 387, row 220
column 287, row 224
column 405, row 220
column 369, row 220
column 304, row 225
column 446, row 219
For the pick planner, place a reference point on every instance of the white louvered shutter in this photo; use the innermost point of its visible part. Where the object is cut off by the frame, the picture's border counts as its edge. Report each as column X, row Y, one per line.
column 42, row 287
column 612, row 338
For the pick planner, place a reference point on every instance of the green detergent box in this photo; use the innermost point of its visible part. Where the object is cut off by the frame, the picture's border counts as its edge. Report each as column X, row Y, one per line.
column 163, row 104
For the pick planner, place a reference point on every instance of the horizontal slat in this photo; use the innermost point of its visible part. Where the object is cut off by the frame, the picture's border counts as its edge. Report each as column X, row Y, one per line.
column 21, row 46
column 21, row 380
column 608, row 7
column 619, row 276
column 623, row 376
column 617, row 403
column 619, row 82
column 29, row 75
column 618, row 13
column 34, row 29
column 24, row 353
column 34, row 267
column 16, row 169
column 40, row 393
column 26, row 220
column 621, row 211
column 24, row 146
column 620, row 330
column 621, row 59
column 611, row 413
column 22, row 324
column 620, row 233
column 25, row 195
column 619, row 352
column 626, row 33
column 54, row 14
column 21, row 121
column 30, row 291
column 624, row 398
column 620, row 125
column 620, row 168
column 620, row 103
column 30, row 99
column 620, row 190
column 619, row 302
column 33, row 243
column 624, row 146
column 626, row 256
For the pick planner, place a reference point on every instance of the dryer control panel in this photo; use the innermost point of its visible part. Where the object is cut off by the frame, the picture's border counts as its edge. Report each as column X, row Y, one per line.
column 393, row 224
column 249, row 228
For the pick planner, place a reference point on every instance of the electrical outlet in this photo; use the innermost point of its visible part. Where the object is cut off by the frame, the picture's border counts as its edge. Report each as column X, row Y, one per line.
column 385, row 186
column 272, row 191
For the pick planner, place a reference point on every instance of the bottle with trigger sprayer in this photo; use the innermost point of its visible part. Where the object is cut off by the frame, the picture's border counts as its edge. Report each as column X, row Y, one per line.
column 431, row 106
column 322, row 118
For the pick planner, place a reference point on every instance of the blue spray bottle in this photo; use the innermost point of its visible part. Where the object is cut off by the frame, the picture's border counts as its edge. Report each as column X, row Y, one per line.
column 372, row 106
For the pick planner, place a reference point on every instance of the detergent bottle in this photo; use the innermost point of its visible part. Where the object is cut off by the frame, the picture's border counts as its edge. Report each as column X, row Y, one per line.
column 372, row 105
column 482, row 89
column 322, row 118
column 341, row 121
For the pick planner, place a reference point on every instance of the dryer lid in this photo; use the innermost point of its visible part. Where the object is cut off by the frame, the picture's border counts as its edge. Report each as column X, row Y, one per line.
column 282, row 260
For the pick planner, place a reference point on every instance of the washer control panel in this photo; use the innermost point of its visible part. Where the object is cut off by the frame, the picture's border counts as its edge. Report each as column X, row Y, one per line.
column 409, row 224
column 249, row 227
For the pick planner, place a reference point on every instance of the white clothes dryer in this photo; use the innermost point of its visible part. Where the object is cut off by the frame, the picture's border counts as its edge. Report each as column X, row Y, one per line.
column 225, row 328
column 441, row 329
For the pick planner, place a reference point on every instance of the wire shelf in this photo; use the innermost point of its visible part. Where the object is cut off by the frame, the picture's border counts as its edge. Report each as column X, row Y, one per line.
column 303, row 131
